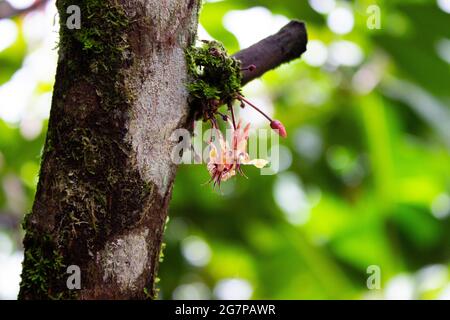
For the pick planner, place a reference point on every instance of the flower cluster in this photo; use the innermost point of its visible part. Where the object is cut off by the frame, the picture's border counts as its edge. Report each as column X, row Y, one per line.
column 226, row 160
column 216, row 82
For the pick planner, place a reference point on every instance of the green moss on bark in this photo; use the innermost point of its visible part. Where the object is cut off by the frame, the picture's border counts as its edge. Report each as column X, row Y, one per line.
column 43, row 269
column 215, row 78
column 91, row 192
column 99, row 48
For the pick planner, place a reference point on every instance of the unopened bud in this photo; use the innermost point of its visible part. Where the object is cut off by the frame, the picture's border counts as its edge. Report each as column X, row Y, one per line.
column 279, row 127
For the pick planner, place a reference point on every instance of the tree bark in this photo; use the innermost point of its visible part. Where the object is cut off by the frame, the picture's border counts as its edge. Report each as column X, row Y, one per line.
column 106, row 174
column 287, row 44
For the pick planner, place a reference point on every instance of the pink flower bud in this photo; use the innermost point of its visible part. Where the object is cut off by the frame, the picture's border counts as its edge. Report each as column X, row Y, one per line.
column 278, row 126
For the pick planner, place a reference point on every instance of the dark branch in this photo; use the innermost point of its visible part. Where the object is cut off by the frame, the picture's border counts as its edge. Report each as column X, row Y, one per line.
column 286, row 45
column 8, row 11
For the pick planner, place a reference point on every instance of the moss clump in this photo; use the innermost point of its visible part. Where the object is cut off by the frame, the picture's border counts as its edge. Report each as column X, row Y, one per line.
column 215, row 78
column 43, row 273
column 98, row 40
column 101, row 32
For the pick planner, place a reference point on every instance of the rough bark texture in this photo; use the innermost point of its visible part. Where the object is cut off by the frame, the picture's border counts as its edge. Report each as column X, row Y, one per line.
column 106, row 175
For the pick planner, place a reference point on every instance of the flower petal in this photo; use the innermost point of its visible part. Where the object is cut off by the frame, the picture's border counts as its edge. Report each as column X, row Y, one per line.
column 259, row 163
column 213, row 153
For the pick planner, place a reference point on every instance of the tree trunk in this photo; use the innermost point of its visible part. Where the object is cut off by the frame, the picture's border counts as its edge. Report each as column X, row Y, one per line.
column 106, row 174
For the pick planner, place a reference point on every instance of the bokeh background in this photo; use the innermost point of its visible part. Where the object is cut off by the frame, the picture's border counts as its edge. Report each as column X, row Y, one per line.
column 364, row 177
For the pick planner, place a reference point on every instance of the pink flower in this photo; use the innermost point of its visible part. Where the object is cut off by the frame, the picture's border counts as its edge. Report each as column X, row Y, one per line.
column 226, row 161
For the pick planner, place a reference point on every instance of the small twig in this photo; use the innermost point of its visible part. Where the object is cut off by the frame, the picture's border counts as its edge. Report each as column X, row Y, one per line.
column 286, row 45
column 230, row 107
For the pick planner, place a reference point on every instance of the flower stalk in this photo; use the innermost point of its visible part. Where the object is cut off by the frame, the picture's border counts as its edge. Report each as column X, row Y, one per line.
column 216, row 80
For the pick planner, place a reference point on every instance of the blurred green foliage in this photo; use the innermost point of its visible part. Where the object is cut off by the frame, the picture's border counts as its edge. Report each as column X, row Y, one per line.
column 365, row 179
